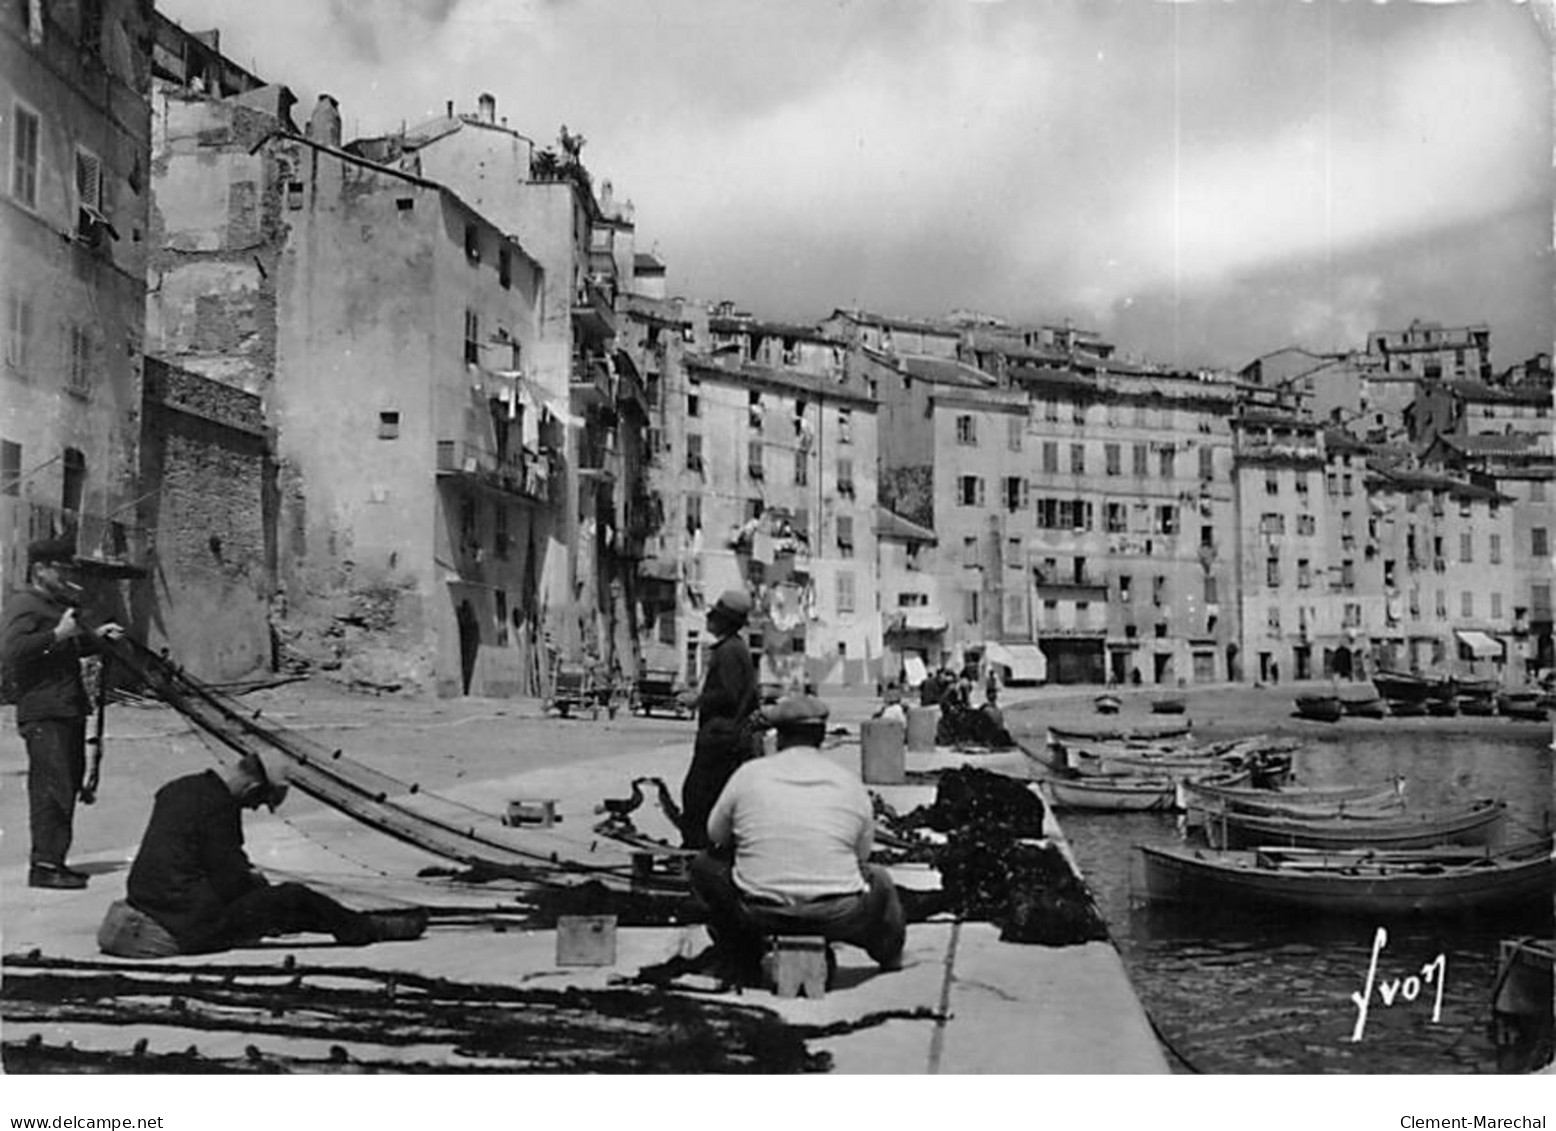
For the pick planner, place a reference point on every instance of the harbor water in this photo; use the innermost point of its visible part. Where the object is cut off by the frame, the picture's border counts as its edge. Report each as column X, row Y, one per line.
column 1232, row 990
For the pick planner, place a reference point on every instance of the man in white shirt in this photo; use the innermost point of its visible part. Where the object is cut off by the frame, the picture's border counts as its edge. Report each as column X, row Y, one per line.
column 790, row 840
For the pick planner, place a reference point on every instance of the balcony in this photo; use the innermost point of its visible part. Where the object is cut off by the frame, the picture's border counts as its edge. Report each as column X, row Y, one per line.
column 593, row 313
column 526, row 474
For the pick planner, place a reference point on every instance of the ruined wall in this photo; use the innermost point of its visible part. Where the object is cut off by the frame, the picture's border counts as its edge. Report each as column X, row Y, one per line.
column 204, row 468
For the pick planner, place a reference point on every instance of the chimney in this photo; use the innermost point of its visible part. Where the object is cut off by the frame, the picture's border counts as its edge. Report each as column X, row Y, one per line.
column 324, row 125
column 488, row 107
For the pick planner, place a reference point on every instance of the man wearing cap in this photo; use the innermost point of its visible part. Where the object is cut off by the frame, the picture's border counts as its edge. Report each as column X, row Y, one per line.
column 790, row 846
column 41, row 646
column 729, row 696
column 193, row 880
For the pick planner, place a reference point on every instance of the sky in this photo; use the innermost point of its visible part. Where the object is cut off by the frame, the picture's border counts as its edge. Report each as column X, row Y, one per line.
column 1202, row 183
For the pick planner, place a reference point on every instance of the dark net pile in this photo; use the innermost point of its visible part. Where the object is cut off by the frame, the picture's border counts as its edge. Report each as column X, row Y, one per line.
column 990, row 869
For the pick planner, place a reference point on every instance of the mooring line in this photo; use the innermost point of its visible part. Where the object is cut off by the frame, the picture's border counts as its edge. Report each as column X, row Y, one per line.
column 937, row 1042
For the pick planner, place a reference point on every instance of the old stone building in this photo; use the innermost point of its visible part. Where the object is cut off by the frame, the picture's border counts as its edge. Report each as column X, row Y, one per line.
column 75, row 126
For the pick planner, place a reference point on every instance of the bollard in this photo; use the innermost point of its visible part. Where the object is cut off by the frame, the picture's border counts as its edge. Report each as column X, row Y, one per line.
column 882, row 745
column 922, row 724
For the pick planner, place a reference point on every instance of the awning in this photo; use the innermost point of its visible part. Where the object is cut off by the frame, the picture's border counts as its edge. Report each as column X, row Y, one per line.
column 1480, row 645
column 923, row 620
column 1024, row 663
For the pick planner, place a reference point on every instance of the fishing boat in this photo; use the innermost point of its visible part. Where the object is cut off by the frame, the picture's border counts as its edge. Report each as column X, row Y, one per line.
column 1442, row 708
column 1400, row 686
column 1322, row 708
column 1523, row 705
column 1369, row 707
column 1407, row 708
column 1108, row 704
column 1173, row 705
column 1122, row 793
column 1467, row 824
column 1439, row 881
column 1142, row 733
column 1290, row 801
column 1482, row 706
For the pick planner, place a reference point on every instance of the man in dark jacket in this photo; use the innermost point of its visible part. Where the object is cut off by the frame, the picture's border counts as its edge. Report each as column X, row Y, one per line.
column 729, row 695
column 41, row 646
column 192, row 877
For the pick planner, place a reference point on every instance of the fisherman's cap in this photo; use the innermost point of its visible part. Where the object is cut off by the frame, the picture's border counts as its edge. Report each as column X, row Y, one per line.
column 796, row 711
column 49, row 551
column 734, row 604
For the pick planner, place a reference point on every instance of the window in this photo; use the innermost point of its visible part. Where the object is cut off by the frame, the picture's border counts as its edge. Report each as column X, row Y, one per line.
column 1125, row 584
column 1013, row 554
column 845, row 426
column 1051, row 457
column 1496, row 606
column 1142, row 460
column 969, row 491
column 1051, row 409
column 1305, row 524
column 845, row 594
column 1078, row 412
column 505, row 268
column 1540, row 600
column 1467, row 603
column 970, row 606
column 1207, row 537
column 755, row 466
column 18, row 330
column 1077, row 459
column 1271, row 483
column 966, row 430
column 970, row 556
column 500, row 539
column 1537, row 490
column 845, row 479
column 1167, row 459
column 1539, row 542
column 801, row 469
column 693, row 405
column 89, row 189
column 693, row 452
column 1304, row 574
column 1346, row 485
column 1272, row 522
column 472, row 337
column 845, row 535
column 1347, row 574
column 1117, row 518
column 1496, row 549
column 1015, row 493
column 78, row 379
column 388, row 425
column 1207, row 462
column 24, row 156
column 1013, row 429
column 1167, row 519
column 1113, row 458
column 10, row 468
column 472, row 243
column 1302, row 483
column 1272, row 618
column 1159, row 590
column 1466, row 547
column 1272, row 571
column 1211, row 591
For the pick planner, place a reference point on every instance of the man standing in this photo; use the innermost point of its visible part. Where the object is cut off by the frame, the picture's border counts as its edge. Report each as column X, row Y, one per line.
column 193, row 880
column 791, row 836
column 729, row 695
column 41, row 645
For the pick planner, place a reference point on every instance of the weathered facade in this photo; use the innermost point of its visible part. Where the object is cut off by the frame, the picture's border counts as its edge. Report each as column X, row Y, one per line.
column 75, row 126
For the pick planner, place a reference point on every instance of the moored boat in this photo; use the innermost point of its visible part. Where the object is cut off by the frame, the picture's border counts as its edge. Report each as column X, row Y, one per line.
column 1469, row 824
column 1116, row 794
column 1108, row 704
column 1407, row 708
column 1173, row 705
column 1322, row 708
column 1402, row 686
column 1529, row 705
column 1369, row 707
column 1479, row 705
column 1291, row 801
column 1371, row 883
column 1147, row 733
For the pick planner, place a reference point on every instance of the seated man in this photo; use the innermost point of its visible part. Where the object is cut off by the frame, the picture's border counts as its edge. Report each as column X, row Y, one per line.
column 192, row 879
column 891, row 708
column 791, row 837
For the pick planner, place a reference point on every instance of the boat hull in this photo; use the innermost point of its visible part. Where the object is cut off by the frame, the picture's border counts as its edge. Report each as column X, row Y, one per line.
column 1473, row 825
column 1320, row 708
column 1182, row 875
column 1134, row 795
column 1072, row 735
column 1306, row 802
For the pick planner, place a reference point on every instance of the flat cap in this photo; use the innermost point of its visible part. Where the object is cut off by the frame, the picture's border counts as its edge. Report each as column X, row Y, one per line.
column 795, row 710
column 51, row 550
column 735, row 604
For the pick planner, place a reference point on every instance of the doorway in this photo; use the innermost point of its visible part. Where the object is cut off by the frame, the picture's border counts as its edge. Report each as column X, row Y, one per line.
column 469, row 643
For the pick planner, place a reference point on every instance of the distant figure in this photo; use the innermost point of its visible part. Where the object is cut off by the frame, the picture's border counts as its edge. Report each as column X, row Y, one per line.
column 730, row 694
column 892, row 709
column 991, row 709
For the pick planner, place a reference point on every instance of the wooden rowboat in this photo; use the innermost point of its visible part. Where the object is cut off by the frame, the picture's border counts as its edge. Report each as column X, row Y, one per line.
column 1108, row 704
column 1169, row 706
column 1368, row 883
column 1469, row 824
column 1523, row 705
column 1123, row 793
column 1322, row 708
column 1149, row 733
column 1372, row 707
column 1291, row 801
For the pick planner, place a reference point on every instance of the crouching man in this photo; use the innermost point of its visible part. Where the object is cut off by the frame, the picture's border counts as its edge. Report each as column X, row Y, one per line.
column 791, row 836
column 192, row 889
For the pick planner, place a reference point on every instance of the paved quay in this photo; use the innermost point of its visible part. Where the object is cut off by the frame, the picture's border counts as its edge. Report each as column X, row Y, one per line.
column 1002, row 1008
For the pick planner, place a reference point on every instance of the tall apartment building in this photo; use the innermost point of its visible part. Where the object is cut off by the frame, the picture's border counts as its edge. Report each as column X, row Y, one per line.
column 384, row 323
column 75, row 126
column 1432, row 352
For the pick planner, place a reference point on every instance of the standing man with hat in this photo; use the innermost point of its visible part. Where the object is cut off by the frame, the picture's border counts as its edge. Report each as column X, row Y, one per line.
column 729, row 696
column 192, row 889
column 41, row 646
column 790, row 848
